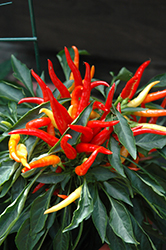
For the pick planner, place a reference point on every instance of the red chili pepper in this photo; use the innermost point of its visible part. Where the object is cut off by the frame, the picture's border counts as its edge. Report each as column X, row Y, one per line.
column 138, row 74
column 58, row 170
column 61, row 116
column 97, row 83
column 37, row 100
column 37, row 123
column 148, row 130
column 118, row 107
column 58, row 84
column 101, row 124
column 84, row 167
column 42, row 84
column 84, row 101
column 108, row 103
column 50, row 129
column 154, row 119
column 76, row 94
column 74, row 69
column 69, row 151
column 40, row 185
column 102, row 136
column 128, row 87
column 99, row 105
column 87, row 148
column 49, row 139
column 43, row 162
column 76, row 60
column 87, row 133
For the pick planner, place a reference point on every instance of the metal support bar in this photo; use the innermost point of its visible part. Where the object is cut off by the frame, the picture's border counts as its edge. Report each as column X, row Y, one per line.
column 27, row 39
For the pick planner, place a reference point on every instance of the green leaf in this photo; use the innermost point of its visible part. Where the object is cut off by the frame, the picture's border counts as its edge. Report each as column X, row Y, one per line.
column 150, row 141
column 37, row 217
column 102, row 174
column 10, row 91
column 6, row 170
column 84, row 208
column 5, row 68
column 161, row 78
column 117, row 191
column 61, row 241
column 121, row 223
column 142, row 237
column 24, row 239
column 114, row 159
column 125, row 134
column 52, row 178
column 156, row 201
column 22, row 73
column 124, row 75
column 116, row 243
column 99, row 216
column 11, row 214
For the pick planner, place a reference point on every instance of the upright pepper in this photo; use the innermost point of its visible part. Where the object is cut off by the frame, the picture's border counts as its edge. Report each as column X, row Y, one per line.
column 108, row 103
column 138, row 74
column 76, row 60
column 13, row 141
column 42, row 85
column 69, row 151
column 61, row 116
column 102, row 136
column 71, row 198
column 74, row 69
column 58, row 84
column 127, row 90
column 76, row 94
column 84, row 101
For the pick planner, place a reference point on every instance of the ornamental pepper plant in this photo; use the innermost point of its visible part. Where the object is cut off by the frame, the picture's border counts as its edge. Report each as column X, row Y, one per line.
column 78, row 171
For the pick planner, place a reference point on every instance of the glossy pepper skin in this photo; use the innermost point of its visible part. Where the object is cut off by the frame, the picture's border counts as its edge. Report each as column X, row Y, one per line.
column 37, row 100
column 71, row 198
column 12, row 144
column 155, row 96
column 69, row 151
column 43, row 162
column 151, row 113
column 127, row 90
column 74, row 69
column 87, row 133
column 55, row 80
column 141, row 96
column 37, row 123
column 49, row 139
column 42, row 85
column 88, row 148
column 22, row 153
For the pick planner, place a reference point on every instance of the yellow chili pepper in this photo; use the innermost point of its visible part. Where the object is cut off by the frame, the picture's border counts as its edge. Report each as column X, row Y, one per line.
column 22, row 153
column 123, row 152
column 153, row 126
column 13, row 141
column 70, row 110
column 140, row 98
column 49, row 114
column 71, row 198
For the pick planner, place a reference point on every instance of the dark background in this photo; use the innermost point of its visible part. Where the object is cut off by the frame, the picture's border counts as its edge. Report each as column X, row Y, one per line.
column 115, row 33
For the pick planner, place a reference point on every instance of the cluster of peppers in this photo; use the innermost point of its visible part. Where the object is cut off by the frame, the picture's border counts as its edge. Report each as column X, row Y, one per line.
column 52, row 127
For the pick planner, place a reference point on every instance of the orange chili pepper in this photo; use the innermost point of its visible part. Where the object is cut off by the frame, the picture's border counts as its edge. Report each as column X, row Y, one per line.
column 123, row 152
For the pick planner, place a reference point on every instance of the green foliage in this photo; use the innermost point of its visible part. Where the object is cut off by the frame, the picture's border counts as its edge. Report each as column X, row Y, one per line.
column 124, row 208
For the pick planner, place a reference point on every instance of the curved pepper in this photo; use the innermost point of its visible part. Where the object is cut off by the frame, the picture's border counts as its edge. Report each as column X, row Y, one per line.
column 12, row 144
column 49, row 113
column 58, row 84
column 101, row 124
column 37, row 123
column 87, row 133
column 37, row 100
column 87, row 148
column 43, row 162
column 69, row 151
column 22, row 153
column 49, row 139
column 71, row 198
column 140, row 98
